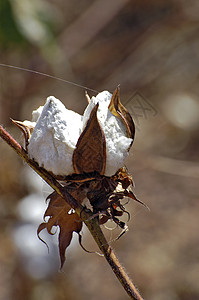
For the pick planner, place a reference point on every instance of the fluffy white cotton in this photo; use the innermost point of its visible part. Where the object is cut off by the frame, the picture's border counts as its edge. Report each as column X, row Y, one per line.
column 54, row 137
column 117, row 143
column 57, row 130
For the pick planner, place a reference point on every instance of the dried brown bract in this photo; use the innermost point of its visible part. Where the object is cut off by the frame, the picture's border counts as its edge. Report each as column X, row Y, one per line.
column 104, row 194
column 121, row 112
column 90, row 152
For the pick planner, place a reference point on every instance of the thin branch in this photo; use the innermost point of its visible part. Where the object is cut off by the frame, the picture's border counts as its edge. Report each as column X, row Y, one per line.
column 86, row 216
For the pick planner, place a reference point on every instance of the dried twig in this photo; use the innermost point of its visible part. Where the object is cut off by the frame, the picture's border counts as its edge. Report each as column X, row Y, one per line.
column 86, row 215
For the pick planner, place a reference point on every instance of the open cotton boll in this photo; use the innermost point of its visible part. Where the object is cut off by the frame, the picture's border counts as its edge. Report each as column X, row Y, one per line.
column 117, row 143
column 54, row 137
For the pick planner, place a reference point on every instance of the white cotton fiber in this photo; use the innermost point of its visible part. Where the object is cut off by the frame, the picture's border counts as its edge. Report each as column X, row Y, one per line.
column 54, row 137
column 57, row 129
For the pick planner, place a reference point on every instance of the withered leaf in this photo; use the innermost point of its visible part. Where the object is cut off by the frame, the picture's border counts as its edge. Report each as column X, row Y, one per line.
column 118, row 110
column 90, row 153
column 58, row 213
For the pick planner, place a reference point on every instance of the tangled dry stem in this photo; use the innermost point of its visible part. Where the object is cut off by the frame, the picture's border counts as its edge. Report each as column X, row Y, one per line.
column 86, row 215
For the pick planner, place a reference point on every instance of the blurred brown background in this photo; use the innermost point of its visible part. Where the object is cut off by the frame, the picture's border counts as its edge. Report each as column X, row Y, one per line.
column 150, row 48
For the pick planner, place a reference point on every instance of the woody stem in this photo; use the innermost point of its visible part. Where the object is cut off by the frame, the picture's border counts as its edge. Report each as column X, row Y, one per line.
column 86, row 216
column 95, row 229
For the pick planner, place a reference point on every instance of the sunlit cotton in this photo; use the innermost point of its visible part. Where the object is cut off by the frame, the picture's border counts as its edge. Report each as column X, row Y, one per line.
column 58, row 129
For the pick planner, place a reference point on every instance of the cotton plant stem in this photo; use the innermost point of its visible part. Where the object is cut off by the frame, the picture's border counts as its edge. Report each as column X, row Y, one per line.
column 86, row 216
column 110, row 256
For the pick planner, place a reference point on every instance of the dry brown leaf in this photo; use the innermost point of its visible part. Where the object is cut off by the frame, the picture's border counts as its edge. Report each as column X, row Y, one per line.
column 118, row 110
column 90, row 153
column 58, row 213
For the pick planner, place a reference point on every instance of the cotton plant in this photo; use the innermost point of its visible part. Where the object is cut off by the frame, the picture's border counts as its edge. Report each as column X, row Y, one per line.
column 86, row 153
column 82, row 158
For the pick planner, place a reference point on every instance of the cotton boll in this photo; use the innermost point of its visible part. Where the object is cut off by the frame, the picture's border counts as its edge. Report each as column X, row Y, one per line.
column 54, row 137
column 57, row 130
column 117, row 144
